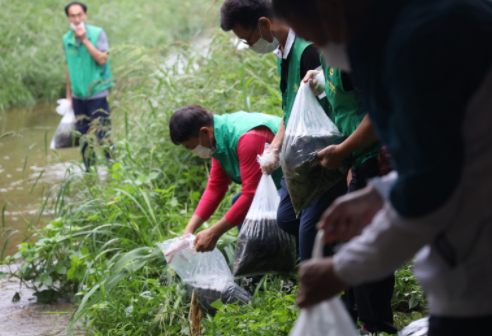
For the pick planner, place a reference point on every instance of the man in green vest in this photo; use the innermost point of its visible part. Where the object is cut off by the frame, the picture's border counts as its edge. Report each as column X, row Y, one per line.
column 233, row 142
column 253, row 22
column 88, row 76
column 369, row 302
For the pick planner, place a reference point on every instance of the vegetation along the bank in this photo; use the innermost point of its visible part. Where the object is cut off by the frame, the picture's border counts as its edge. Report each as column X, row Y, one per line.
column 98, row 250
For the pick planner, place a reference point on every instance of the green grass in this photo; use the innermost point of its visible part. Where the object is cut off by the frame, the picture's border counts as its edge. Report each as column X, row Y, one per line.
column 98, row 250
column 32, row 62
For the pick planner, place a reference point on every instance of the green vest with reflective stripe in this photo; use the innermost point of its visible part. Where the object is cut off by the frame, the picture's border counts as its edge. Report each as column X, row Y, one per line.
column 228, row 128
column 347, row 111
column 87, row 77
column 294, row 80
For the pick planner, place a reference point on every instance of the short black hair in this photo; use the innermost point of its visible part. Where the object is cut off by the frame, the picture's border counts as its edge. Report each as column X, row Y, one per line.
column 187, row 121
column 304, row 8
column 246, row 13
column 84, row 6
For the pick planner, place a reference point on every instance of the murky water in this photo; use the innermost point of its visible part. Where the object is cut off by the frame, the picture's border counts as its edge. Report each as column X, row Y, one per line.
column 33, row 127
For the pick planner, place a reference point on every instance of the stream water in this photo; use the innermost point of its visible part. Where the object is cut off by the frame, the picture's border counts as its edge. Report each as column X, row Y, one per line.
column 34, row 127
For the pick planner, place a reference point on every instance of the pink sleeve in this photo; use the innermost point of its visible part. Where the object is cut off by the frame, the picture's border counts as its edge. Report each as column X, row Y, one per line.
column 217, row 186
column 250, row 145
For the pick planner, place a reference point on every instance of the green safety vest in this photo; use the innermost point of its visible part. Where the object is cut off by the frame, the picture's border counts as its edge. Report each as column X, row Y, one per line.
column 87, row 77
column 294, row 80
column 228, row 128
column 348, row 111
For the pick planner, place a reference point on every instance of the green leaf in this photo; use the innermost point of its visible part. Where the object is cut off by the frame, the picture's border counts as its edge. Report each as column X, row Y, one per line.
column 413, row 302
column 152, row 176
column 217, row 305
column 71, row 273
column 84, row 250
column 60, row 269
column 3, row 274
column 16, row 297
column 46, row 280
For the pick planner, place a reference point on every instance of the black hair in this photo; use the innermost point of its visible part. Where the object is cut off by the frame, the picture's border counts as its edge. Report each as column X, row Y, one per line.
column 187, row 121
column 244, row 12
column 304, row 8
column 84, row 6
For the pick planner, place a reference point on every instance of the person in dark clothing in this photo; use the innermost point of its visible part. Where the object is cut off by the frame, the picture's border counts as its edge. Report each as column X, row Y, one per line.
column 370, row 303
column 425, row 72
column 253, row 22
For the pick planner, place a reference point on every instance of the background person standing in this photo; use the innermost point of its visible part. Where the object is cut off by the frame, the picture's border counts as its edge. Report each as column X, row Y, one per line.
column 88, row 76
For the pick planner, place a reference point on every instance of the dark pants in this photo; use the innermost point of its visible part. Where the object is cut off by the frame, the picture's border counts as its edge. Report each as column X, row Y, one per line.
column 303, row 228
column 370, row 302
column 92, row 115
column 454, row 326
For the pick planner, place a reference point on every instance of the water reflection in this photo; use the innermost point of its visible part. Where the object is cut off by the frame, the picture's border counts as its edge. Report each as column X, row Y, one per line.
column 31, row 130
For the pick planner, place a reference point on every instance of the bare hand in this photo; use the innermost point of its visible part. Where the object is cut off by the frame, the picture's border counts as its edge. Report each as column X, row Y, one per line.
column 81, row 32
column 349, row 214
column 316, row 87
column 331, row 157
column 206, row 240
column 318, row 282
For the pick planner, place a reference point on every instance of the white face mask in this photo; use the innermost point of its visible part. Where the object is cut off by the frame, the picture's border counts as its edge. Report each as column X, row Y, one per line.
column 262, row 46
column 73, row 27
column 335, row 55
column 203, row 152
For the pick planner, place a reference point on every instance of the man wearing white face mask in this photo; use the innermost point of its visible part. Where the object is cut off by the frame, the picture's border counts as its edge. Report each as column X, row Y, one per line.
column 254, row 23
column 233, row 142
column 88, row 76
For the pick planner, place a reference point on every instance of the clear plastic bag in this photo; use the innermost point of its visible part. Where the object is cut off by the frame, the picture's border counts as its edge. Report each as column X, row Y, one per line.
column 262, row 247
column 416, row 328
column 309, row 130
column 64, row 135
column 328, row 318
column 207, row 272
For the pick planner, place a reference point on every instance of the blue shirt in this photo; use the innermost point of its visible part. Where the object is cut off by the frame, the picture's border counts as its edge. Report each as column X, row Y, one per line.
column 418, row 63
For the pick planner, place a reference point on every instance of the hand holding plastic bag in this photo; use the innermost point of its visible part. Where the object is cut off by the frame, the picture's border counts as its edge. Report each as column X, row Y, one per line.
column 309, row 131
column 328, row 318
column 207, row 272
column 316, row 80
column 270, row 160
column 262, row 247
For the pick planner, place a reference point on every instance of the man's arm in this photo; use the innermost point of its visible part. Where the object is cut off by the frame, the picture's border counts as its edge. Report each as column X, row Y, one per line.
column 364, row 135
column 69, row 86
column 218, row 184
column 99, row 56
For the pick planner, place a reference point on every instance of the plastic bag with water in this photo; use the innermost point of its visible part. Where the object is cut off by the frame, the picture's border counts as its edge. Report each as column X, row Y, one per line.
column 309, row 130
column 208, row 272
column 328, row 318
column 64, row 135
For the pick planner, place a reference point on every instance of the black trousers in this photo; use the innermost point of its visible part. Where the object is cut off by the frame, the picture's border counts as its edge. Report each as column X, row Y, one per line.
column 92, row 114
column 303, row 228
column 370, row 302
column 454, row 326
